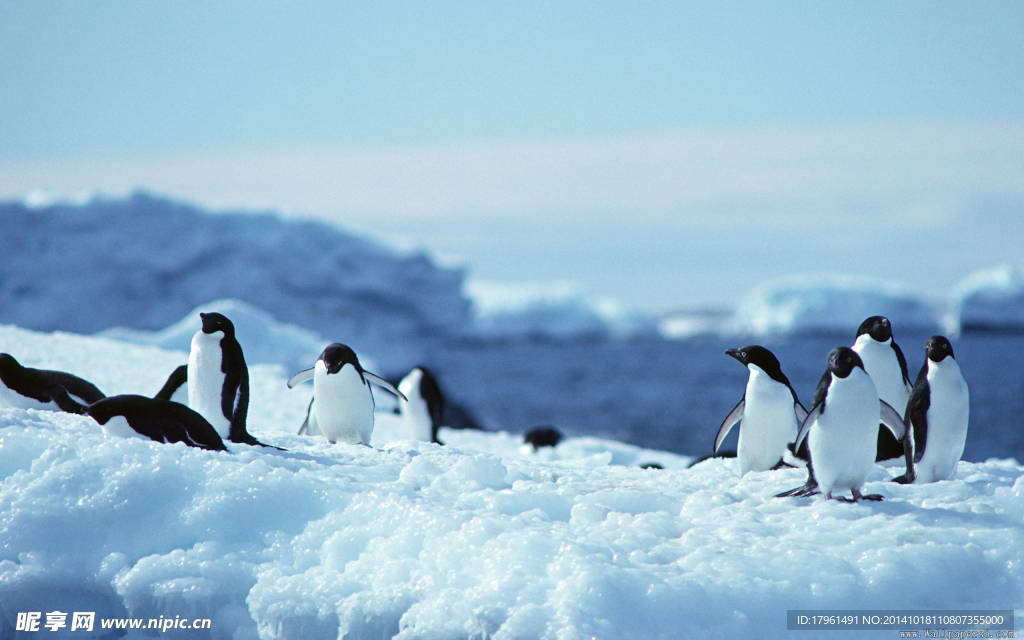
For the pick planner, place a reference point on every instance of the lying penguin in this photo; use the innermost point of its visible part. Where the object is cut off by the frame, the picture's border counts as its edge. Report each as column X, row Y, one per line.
column 28, row 388
column 154, row 418
column 342, row 404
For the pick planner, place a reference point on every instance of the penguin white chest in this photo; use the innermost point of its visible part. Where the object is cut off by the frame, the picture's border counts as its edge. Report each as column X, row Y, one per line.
column 415, row 412
column 842, row 441
column 769, row 422
column 343, row 405
column 206, row 380
column 948, row 415
column 881, row 364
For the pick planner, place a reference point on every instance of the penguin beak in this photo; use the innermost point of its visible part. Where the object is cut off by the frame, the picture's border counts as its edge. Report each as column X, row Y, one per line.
column 735, row 353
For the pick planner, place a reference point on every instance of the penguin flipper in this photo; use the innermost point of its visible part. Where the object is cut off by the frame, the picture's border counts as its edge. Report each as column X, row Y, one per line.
column 811, row 418
column 381, row 382
column 63, row 400
column 300, row 377
column 801, row 412
column 304, row 429
column 730, row 420
column 177, row 378
column 892, row 420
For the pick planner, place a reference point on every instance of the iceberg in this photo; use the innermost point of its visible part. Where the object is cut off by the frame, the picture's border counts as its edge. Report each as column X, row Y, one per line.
column 550, row 310
column 828, row 304
column 990, row 300
column 143, row 261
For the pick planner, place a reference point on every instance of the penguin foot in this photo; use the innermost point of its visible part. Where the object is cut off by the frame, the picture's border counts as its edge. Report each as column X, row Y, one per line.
column 857, row 495
column 904, row 479
column 800, row 492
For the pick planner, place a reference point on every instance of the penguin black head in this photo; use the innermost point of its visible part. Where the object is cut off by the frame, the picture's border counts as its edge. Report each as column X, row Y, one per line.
column 938, row 349
column 101, row 411
column 543, row 436
column 8, row 363
column 842, row 361
column 214, row 322
column 756, row 355
column 337, row 355
column 878, row 327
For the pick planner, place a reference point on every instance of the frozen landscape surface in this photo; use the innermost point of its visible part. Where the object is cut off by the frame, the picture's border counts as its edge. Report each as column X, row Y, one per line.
column 479, row 538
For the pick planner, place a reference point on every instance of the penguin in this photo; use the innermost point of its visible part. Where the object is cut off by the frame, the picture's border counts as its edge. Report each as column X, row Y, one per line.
column 883, row 360
column 542, row 436
column 218, row 380
column 423, row 410
column 28, row 388
column 154, row 418
column 841, row 426
column 769, row 412
column 937, row 412
column 175, row 383
column 342, row 404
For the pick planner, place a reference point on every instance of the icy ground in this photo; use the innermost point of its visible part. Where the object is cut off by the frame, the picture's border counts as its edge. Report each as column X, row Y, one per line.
column 479, row 538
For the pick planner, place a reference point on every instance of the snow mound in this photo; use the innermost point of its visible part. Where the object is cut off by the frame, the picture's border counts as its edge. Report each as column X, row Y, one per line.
column 143, row 262
column 479, row 538
column 553, row 309
column 263, row 338
column 828, row 304
column 990, row 300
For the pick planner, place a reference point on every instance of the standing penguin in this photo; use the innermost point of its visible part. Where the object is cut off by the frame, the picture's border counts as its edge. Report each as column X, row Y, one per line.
column 218, row 380
column 769, row 412
column 938, row 411
column 28, row 388
column 155, row 418
column 883, row 360
column 423, row 410
column 841, row 426
column 342, row 405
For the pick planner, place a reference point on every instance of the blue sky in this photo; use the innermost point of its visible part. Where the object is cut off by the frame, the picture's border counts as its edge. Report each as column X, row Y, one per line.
column 631, row 148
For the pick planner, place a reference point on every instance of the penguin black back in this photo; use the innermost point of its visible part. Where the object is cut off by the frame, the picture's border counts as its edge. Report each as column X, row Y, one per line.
column 431, row 393
column 45, row 385
column 234, row 397
column 159, row 420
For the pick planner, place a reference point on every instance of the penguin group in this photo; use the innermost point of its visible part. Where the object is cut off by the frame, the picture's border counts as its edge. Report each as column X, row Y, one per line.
column 205, row 402
column 864, row 409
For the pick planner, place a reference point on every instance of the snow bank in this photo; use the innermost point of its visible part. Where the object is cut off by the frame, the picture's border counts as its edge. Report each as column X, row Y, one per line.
column 552, row 309
column 263, row 338
column 826, row 304
column 990, row 300
column 143, row 262
column 480, row 538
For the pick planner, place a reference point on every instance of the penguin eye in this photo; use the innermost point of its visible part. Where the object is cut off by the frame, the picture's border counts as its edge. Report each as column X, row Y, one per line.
column 743, row 353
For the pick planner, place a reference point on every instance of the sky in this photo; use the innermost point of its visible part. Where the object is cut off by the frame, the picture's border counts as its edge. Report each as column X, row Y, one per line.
column 667, row 155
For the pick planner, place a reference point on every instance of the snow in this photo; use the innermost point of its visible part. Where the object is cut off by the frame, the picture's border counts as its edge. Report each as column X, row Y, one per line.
column 991, row 300
column 479, row 538
column 828, row 303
